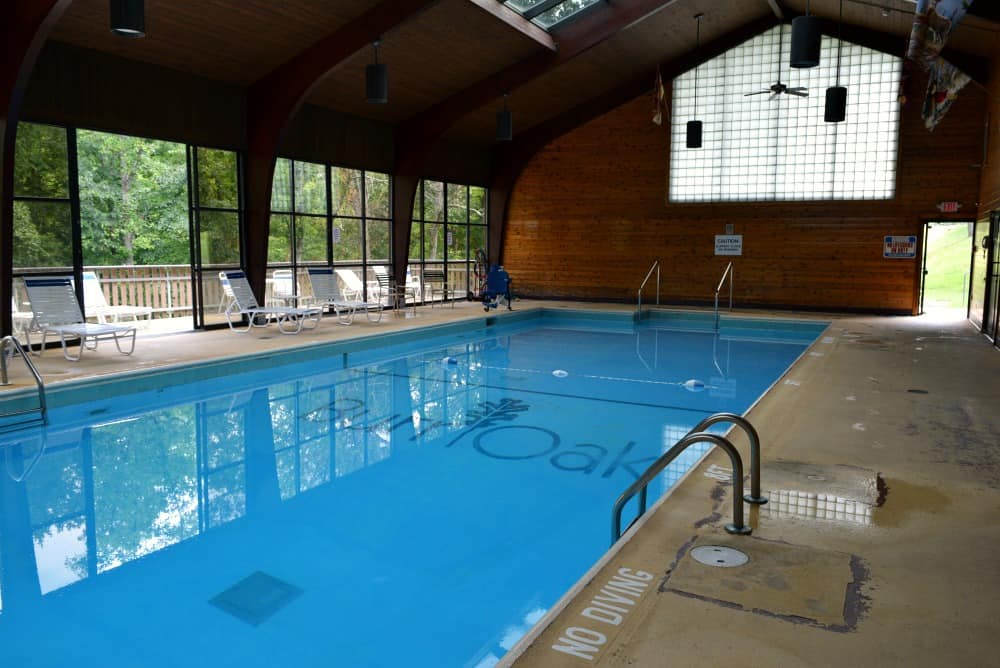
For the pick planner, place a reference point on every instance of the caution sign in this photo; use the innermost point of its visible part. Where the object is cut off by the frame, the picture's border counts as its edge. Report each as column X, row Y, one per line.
column 729, row 244
column 899, row 248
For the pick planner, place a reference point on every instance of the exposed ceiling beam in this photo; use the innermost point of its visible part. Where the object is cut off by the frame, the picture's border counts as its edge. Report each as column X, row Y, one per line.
column 504, row 13
column 417, row 135
column 25, row 27
column 274, row 99
column 775, row 6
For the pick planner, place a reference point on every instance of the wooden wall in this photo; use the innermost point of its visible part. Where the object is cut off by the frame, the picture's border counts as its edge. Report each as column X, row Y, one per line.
column 588, row 216
column 989, row 196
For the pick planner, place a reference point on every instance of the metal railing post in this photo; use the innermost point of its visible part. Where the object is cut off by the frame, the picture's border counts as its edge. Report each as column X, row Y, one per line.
column 639, row 486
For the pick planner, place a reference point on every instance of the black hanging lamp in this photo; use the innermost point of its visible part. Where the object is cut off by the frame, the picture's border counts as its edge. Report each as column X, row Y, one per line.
column 694, row 127
column 128, row 18
column 836, row 96
column 806, row 40
column 376, row 81
column 505, row 122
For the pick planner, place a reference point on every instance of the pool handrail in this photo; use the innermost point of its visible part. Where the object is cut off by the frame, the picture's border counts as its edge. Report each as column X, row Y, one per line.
column 639, row 486
column 754, row 496
column 656, row 266
column 13, row 342
column 728, row 272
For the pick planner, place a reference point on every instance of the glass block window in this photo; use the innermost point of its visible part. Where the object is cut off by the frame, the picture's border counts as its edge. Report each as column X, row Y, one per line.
column 777, row 146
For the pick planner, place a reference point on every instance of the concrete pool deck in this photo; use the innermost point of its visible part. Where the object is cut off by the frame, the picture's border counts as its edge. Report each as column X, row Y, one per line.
column 881, row 457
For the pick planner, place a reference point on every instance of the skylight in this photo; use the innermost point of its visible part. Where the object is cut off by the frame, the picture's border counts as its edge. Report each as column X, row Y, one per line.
column 548, row 14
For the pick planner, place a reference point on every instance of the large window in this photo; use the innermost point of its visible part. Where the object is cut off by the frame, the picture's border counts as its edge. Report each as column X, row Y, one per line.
column 321, row 214
column 449, row 227
column 778, row 147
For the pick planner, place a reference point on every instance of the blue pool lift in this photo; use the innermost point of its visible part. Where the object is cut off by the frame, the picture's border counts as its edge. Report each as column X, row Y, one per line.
column 497, row 288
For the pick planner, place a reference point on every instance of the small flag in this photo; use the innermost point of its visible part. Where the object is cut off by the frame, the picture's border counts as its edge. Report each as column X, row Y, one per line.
column 660, row 98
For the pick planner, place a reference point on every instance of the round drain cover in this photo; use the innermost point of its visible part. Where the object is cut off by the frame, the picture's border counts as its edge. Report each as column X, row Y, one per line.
column 719, row 556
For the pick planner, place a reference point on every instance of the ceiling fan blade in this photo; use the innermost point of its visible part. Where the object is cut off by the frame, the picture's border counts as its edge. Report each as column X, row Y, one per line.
column 797, row 93
column 760, row 92
column 774, row 95
column 797, row 88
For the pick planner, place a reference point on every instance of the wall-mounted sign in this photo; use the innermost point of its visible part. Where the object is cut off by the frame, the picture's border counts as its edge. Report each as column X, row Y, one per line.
column 899, row 248
column 948, row 207
column 729, row 244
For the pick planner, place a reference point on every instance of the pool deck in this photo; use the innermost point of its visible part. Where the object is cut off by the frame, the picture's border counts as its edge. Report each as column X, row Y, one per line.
column 881, row 457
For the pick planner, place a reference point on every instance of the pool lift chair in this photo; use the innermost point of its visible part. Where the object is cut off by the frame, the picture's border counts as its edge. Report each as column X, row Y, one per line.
column 57, row 311
column 291, row 320
column 327, row 292
column 497, row 289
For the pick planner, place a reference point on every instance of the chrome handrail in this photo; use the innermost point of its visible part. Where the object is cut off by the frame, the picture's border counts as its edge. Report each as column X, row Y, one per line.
column 728, row 272
column 753, row 497
column 741, row 422
column 640, row 485
column 11, row 341
column 656, row 266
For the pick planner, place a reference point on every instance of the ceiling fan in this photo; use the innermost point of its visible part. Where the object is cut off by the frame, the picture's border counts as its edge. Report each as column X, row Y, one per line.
column 778, row 88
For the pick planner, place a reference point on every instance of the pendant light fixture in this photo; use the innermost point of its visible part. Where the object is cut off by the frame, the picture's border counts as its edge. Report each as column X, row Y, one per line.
column 836, row 96
column 505, row 122
column 128, row 18
column 376, row 81
column 694, row 127
column 806, row 39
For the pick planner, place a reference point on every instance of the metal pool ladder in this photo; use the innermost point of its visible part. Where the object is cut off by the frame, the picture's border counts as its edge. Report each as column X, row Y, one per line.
column 656, row 266
column 12, row 420
column 698, row 435
column 728, row 272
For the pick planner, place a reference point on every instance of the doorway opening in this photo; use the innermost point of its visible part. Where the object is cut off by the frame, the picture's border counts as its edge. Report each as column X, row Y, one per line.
column 948, row 247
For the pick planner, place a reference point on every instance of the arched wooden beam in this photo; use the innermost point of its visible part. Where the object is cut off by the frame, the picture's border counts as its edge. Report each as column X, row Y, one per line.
column 416, row 136
column 508, row 161
column 24, row 27
column 275, row 98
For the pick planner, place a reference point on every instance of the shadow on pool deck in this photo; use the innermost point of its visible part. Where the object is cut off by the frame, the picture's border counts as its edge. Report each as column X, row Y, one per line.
column 878, row 547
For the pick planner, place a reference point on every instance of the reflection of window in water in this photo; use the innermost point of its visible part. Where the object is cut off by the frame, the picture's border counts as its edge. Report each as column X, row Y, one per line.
column 448, row 389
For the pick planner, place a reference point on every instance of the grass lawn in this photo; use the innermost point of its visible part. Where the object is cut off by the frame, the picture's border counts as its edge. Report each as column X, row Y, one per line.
column 947, row 280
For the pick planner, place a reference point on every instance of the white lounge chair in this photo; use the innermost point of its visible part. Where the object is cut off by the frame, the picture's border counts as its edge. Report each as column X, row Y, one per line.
column 353, row 287
column 326, row 292
column 56, row 310
column 290, row 320
column 227, row 293
column 97, row 306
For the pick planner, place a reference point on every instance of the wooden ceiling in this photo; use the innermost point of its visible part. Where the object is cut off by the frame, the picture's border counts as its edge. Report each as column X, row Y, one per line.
column 451, row 46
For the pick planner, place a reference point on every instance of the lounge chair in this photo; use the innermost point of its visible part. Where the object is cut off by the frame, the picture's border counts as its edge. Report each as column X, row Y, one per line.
column 326, row 292
column 228, row 299
column 97, row 306
column 290, row 320
column 395, row 293
column 56, row 310
column 353, row 287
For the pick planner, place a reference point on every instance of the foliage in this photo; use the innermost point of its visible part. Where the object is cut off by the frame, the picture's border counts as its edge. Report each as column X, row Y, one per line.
column 133, row 200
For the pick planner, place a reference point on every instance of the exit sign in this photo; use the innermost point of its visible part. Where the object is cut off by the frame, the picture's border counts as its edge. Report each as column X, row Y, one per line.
column 948, row 207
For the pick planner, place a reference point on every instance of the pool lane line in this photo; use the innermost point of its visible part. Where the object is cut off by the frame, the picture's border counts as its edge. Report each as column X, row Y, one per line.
column 557, row 394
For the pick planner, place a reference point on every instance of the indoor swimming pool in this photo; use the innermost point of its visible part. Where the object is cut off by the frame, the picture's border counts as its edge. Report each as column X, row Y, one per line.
column 422, row 503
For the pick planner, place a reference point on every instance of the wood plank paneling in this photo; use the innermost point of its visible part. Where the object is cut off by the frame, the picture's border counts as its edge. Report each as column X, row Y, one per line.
column 588, row 216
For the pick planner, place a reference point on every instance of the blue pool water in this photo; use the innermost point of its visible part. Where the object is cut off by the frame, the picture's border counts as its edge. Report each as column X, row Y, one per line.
column 421, row 504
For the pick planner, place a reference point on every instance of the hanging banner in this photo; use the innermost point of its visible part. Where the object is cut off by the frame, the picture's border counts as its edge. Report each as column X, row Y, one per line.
column 933, row 22
column 899, row 248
